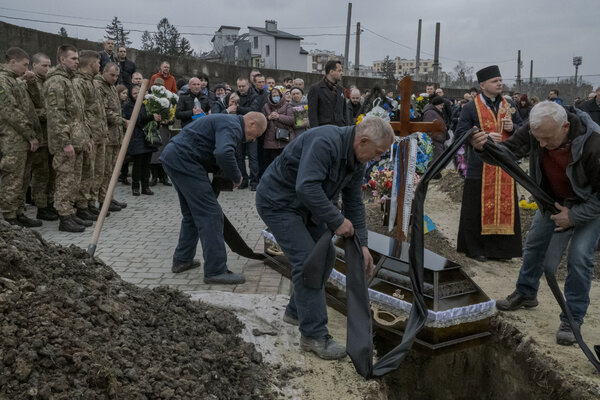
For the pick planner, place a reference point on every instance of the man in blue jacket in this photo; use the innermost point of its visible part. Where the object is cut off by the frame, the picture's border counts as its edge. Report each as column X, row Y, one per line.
column 207, row 145
column 295, row 198
column 564, row 159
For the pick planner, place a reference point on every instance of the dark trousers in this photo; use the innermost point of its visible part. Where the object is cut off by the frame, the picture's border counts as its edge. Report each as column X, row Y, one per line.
column 141, row 170
column 297, row 239
column 202, row 216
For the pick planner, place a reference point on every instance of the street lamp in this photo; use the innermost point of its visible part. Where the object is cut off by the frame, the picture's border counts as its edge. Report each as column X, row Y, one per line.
column 577, row 62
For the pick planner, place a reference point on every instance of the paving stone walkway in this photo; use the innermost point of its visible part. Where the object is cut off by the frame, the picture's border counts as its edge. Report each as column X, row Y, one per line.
column 138, row 242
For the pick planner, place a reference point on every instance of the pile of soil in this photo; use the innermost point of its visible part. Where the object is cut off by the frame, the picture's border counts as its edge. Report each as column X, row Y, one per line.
column 72, row 329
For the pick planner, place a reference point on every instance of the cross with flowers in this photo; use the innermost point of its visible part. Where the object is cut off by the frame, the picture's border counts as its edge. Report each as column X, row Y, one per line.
column 404, row 128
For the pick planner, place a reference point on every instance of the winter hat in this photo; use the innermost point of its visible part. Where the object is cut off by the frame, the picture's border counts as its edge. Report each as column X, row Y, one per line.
column 488, row 73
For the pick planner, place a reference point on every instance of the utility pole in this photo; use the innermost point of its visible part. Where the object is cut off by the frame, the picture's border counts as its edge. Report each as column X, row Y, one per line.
column 436, row 53
column 531, row 73
column 519, row 71
column 357, row 52
column 418, row 58
column 347, row 38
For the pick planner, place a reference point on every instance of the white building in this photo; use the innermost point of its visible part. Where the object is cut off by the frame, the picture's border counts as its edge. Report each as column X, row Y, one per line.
column 320, row 57
column 405, row 66
column 225, row 36
column 275, row 49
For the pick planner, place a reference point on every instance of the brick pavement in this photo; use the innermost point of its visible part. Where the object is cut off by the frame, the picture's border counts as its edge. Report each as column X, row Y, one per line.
column 138, row 242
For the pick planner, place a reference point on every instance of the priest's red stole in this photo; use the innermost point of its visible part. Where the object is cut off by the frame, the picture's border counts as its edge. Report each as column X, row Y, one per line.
column 497, row 187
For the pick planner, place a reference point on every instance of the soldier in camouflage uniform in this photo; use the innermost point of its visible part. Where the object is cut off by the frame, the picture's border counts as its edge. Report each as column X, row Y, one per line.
column 42, row 175
column 115, row 122
column 68, row 136
column 19, row 131
column 95, row 119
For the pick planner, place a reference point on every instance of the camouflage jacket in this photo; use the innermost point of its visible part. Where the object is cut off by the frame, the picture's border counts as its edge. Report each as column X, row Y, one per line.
column 64, row 112
column 36, row 90
column 112, row 106
column 93, row 106
column 18, row 120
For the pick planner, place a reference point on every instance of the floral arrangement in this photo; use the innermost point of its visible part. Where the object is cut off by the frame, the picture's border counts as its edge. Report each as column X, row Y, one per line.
column 528, row 206
column 419, row 103
column 381, row 183
column 159, row 101
column 424, row 152
column 300, row 114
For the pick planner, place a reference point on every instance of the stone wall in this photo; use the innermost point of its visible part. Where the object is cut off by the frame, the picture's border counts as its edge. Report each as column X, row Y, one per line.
column 147, row 63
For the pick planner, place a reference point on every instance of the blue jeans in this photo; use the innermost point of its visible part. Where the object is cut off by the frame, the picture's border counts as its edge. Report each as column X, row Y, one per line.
column 580, row 262
column 297, row 239
column 202, row 218
column 249, row 149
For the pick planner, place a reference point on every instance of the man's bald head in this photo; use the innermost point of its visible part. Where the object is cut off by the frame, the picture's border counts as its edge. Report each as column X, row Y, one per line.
column 355, row 96
column 194, row 85
column 255, row 124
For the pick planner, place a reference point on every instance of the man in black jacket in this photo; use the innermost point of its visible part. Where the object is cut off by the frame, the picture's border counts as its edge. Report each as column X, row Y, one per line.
column 127, row 68
column 247, row 104
column 326, row 100
column 191, row 103
column 592, row 107
column 107, row 55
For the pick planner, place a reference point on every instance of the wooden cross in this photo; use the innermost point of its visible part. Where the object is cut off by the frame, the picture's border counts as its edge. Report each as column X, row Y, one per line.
column 404, row 128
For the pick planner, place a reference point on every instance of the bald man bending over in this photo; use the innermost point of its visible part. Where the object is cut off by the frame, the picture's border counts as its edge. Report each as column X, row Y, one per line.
column 207, row 145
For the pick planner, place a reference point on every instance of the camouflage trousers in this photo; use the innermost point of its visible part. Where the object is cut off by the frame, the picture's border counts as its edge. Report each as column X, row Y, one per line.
column 110, row 159
column 42, row 178
column 68, row 178
column 100, row 159
column 84, row 195
column 13, row 168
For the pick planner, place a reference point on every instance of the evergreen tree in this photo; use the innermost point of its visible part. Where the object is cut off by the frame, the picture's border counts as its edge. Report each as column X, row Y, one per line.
column 388, row 68
column 115, row 31
column 63, row 32
column 147, row 41
column 185, row 48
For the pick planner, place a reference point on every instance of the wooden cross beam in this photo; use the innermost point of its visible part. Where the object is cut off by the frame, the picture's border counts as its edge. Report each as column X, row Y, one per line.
column 404, row 128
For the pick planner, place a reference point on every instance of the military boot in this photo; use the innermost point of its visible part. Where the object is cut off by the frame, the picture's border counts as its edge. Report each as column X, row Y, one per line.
column 67, row 224
column 84, row 213
column 112, row 207
column 46, row 214
column 119, row 203
column 28, row 222
column 82, row 222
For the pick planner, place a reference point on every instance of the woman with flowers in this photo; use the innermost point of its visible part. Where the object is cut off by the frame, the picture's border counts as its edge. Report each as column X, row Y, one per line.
column 280, row 125
column 300, row 108
column 138, row 149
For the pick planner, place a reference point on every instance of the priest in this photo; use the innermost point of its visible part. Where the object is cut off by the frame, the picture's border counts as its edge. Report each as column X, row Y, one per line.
column 489, row 219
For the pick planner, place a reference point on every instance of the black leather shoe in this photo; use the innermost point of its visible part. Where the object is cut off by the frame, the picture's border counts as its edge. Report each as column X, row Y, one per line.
column 516, row 300
column 85, row 214
column 244, row 185
column 135, row 191
column 67, row 224
column 28, row 222
column 147, row 191
column 253, row 187
column 153, row 182
column 94, row 210
column 178, row 267
column 14, row 221
column 119, row 203
column 46, row 214
column 112, row 207
column 82, row 222
column 51, row 208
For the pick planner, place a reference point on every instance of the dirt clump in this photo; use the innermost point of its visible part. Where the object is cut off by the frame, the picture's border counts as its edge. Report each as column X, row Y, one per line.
column 72, row 329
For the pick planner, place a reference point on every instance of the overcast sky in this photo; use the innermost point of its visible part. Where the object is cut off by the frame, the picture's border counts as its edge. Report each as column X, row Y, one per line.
column 483, row 32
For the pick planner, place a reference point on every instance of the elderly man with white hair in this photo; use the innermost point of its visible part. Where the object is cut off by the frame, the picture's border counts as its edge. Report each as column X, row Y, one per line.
column 294, row 198
column 564, row 159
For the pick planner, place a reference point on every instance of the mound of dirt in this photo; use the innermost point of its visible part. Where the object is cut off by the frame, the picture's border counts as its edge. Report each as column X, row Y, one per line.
column 72, row 329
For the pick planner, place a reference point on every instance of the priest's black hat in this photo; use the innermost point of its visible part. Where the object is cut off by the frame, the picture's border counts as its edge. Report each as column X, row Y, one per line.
column 488, row 73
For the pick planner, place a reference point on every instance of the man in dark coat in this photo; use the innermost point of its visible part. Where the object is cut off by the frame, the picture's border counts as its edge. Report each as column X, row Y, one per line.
column 204, row 146
column 107, row 55
column 294, row 198
column 127, row 68
column 434, row 110
column 193, row 102
column 498, row 239
column 564, row 160
column 592, row 107
column 247, row 104
column 326, row 99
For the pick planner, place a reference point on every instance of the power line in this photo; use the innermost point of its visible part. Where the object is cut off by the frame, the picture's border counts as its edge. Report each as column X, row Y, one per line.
column 431, row 54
